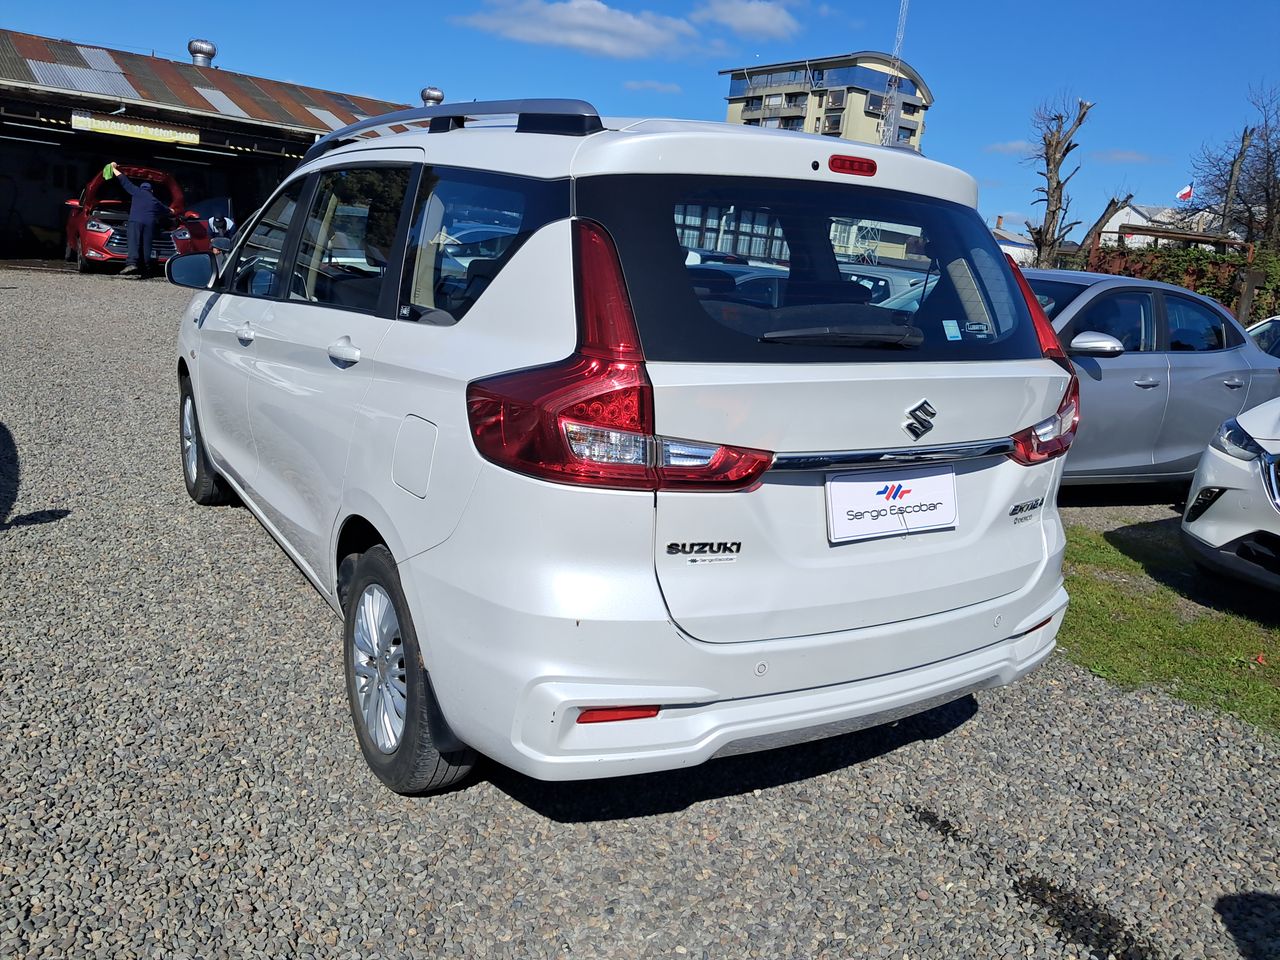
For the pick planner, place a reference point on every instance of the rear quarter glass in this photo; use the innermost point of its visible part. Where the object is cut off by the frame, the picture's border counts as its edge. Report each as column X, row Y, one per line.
column 965, row 303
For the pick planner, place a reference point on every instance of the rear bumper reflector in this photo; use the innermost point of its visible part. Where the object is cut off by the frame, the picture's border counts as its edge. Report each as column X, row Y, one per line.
column 610, row 714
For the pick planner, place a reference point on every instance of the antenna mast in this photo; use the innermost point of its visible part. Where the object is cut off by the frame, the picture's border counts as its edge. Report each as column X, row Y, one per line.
column 889, row 110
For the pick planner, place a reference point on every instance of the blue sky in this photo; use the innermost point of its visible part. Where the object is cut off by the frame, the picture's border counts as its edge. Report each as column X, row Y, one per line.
column 1165, row 77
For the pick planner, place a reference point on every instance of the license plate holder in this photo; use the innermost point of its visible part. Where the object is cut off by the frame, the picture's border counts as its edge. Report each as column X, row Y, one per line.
column 865, row 505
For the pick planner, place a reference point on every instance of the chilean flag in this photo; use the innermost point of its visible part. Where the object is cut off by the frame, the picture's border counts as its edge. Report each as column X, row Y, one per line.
column 1186, row 193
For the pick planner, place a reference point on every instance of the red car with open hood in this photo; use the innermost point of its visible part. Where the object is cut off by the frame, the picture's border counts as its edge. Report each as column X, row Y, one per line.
column 98, row 224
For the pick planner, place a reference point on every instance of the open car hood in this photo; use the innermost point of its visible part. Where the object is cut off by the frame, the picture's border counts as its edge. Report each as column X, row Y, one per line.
column 177, row 202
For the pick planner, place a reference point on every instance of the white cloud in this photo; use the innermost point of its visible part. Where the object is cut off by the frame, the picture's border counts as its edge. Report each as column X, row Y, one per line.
column 589, row 26
column 1009, row 146
column 1122, row 156
column 657, row 86
column 763, row 19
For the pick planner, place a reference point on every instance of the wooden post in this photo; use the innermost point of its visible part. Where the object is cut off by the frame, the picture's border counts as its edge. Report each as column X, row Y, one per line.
column 1250, row 281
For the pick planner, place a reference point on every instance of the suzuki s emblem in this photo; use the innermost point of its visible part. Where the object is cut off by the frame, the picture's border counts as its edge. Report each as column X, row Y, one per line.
column 921, row 419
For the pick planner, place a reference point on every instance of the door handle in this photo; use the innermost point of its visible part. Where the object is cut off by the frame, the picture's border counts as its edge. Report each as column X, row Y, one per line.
column 1146, row 383
column 245, row 334
column 1235, row 383
column 343, row 352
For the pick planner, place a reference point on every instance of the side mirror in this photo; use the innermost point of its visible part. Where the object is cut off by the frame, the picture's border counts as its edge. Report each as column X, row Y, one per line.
column 191, row 215
column 73, row 203
column 221, row 244
column 1090, row 343
column 191, row 270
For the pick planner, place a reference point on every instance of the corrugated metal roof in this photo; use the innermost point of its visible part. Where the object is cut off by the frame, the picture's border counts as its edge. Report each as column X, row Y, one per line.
column 220, row 101
column 65, row 53
column 266, row 103
column 84, row 79
column 327, row 118
column 99, row 59
column 175, row 86
column 11, row 64
column 146, row 82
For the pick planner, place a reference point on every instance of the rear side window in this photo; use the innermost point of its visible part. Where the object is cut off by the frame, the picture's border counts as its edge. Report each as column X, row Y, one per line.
column 348, row 236
column 1194, row 326
column 1055, row 295
column 814, row 272
column 257, row 267
column 466, row 227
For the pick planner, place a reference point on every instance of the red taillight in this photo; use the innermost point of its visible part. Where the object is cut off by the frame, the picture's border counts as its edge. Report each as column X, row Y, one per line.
column 1050, row 346
column 1050, row 438
column 589, row 418
column 610, row 714
column 858, row 166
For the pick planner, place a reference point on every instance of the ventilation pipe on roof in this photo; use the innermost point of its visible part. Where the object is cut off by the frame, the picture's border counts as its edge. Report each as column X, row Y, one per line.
column 432, row 96
column 202, row 52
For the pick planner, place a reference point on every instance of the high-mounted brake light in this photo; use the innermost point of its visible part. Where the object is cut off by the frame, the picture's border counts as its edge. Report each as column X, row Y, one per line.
column 589, row 418
column 857, row 166
column 610, row 714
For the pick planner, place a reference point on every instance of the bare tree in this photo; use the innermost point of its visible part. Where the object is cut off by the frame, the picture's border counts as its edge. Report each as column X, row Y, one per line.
column 1054, row 128
column 1233, row 178
column 1114, row 206
column 1241, row 177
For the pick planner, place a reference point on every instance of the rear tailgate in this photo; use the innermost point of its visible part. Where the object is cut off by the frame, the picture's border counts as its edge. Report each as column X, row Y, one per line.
column 774, row 562
column 834, row 537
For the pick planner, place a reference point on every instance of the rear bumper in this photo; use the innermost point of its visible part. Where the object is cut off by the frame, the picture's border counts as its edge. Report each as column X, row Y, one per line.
column 557, row 616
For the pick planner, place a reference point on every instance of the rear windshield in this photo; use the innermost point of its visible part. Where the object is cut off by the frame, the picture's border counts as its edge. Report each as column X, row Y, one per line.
column 818, row 272
column 1054, row 295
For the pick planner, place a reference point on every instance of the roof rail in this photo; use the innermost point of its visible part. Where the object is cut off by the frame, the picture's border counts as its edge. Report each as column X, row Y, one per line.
column 573, row 118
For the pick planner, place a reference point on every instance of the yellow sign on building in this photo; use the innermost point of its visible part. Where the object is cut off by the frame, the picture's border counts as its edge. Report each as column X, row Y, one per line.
column 138, row 129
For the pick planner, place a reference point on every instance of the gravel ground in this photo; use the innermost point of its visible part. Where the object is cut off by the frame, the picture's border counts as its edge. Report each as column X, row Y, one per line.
column 178, row 777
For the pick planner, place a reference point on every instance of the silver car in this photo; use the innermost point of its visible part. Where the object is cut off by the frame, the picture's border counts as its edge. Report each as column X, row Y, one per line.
column 1160, row 368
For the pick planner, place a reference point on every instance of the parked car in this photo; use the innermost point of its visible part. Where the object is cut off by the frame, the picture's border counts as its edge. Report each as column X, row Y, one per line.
column 884, row 281
column 98, row 228
column 586, row 514
column 1232, row 520
column 1160, row 368
column 1266, row 334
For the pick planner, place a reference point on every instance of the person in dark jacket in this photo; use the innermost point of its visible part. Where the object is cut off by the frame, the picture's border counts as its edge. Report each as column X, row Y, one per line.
column 145, row 212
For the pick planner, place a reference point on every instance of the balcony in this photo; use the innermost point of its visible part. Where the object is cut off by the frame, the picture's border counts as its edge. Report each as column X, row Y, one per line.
column 786, row 110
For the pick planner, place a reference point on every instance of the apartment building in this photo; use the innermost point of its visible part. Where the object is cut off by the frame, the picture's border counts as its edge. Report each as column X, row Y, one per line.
column 841, row 96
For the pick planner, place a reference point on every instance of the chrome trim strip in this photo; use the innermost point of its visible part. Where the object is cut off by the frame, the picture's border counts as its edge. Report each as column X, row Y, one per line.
column 1271, row 477
column 854, row 459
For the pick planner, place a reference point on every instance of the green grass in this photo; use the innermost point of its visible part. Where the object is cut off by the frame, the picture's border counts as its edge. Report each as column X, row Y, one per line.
column 1142, row 615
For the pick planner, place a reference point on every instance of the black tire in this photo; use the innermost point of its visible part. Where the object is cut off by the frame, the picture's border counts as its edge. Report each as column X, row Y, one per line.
column 204, row 485
column 427, row 757
column 82, row 264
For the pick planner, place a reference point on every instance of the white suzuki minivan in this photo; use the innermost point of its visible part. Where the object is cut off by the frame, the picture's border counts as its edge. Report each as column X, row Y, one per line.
column 591, row 506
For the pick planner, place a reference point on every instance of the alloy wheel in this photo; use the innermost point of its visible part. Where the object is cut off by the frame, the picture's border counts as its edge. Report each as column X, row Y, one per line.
column 190, row 443
column 377, row 660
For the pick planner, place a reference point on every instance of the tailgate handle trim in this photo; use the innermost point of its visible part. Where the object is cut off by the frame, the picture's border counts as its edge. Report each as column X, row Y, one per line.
column 846, row 459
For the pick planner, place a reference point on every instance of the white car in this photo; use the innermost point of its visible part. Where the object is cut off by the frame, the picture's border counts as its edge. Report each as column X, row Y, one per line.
column 589, row 516
column 1232, row 521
